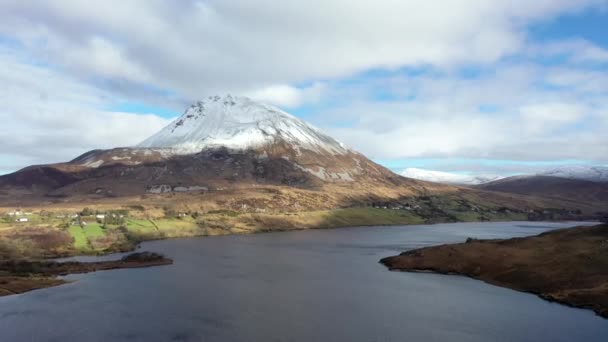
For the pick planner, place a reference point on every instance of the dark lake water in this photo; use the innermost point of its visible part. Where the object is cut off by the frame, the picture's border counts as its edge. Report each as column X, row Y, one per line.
column 317, row 285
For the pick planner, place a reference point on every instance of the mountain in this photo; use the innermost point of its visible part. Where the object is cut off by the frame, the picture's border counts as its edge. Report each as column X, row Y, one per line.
column 229, row 148
column 590, row 173
column 446, row 177
column 232, row 153
column 563, row 189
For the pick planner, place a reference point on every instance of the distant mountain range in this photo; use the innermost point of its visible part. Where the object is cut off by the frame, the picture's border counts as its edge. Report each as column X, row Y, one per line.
column 570, row 184
column 588, row 173
column 447, row 177
column 566, row 189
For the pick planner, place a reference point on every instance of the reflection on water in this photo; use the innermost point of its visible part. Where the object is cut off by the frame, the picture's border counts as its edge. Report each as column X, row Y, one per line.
column 321, row 285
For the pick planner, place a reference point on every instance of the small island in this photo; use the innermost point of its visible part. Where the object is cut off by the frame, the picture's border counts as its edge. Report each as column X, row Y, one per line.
column 569, row 266
column 19, row 276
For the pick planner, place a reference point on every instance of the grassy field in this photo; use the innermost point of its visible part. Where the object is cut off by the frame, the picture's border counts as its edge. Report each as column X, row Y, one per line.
column 140, row 226
column 93, row 231
column 80, row 239
column 369, row 216
column 97, row 238
column 178, row 227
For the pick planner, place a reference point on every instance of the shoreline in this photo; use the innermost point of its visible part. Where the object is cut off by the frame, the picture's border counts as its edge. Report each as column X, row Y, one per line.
column 548, row 298
column 20, row 276
column 136, row 245
column 575, row 276
column 93, row 266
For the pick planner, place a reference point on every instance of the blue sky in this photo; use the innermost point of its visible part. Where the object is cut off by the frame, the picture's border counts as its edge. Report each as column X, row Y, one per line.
column 503, row 88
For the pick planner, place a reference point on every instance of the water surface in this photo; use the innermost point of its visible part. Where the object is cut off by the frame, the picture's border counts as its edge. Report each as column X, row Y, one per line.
column 317, row 285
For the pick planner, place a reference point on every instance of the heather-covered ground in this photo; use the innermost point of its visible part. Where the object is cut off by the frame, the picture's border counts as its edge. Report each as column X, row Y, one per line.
column 569, row 266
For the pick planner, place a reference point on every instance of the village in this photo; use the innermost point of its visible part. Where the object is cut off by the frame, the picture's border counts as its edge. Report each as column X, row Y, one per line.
column 88, row 231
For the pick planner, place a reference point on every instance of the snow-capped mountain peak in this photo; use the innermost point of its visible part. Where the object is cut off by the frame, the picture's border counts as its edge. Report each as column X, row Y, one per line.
column 447, row 177
column 238, row 123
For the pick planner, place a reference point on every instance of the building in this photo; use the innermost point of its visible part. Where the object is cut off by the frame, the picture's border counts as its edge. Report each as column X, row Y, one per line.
column 22, row 219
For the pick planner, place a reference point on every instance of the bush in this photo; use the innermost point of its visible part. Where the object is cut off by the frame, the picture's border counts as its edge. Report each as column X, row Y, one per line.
column 137, row 207
column 170, row 212
column 225, row 212
column 87, row 212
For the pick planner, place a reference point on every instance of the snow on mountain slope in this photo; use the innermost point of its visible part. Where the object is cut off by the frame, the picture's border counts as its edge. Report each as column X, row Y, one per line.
column 238, row 123
column 446, row 177
column 590, row 173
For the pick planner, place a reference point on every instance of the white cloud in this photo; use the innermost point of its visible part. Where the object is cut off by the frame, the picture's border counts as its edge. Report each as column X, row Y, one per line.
column 296, row 53
column 106, row 59
column 445, row 115
column 197, row 48
column 545, row 117
column 48, row 117
column 577, row 49
column 288, row 96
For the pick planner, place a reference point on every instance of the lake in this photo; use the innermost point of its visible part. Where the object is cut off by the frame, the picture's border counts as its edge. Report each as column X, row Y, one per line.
column 315, row 285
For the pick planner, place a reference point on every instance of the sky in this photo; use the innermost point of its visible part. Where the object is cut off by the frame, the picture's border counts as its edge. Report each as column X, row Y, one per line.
column 467, row 86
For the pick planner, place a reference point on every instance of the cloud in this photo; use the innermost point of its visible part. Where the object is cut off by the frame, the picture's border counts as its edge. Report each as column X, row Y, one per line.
column 545, row 117
column 509, row 111
column 288, row 96
column 106, row 59
column 48, row 117
column 197, row 48
column 387, row 77
column 576, row 49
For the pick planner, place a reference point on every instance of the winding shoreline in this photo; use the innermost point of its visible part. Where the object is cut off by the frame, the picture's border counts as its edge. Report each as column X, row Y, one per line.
column 19, row 276
column 567, row 266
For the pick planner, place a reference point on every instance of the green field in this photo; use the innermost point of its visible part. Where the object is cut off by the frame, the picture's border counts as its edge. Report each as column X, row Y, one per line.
column 79, row 236
column 97, row 238
column 369, row 216
column 178, row 227
column 140, row 226
column 93, row 230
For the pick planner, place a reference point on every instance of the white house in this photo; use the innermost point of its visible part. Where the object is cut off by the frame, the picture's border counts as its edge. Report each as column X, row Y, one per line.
column 22, row 219
column 100, row 216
